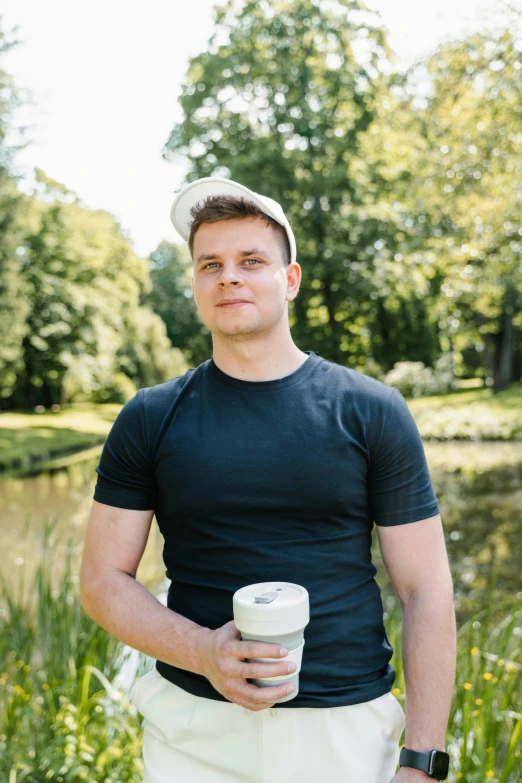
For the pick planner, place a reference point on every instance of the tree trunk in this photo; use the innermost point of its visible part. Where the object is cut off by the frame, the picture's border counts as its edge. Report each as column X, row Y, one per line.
column 517, row 359
column 503, row 367
column 334, row 325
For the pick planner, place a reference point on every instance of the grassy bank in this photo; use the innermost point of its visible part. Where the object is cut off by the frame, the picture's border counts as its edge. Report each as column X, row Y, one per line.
column 474, row 414
column 468, row 414
column 30, row 438
column 63, row 718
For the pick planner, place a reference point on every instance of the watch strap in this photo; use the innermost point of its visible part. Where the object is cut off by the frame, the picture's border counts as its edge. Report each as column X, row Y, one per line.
column 415, row 758
column 435, row 760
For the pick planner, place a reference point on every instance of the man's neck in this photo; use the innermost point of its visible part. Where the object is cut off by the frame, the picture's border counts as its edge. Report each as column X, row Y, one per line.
column 265, row 368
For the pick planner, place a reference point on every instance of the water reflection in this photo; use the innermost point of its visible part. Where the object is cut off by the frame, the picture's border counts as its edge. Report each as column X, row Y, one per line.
column 479, row 487
column 482, row 513
column 62, row 496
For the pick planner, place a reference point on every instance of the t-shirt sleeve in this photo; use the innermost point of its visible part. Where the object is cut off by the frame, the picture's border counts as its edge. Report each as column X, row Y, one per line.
column 125, row 471
column 399, row 480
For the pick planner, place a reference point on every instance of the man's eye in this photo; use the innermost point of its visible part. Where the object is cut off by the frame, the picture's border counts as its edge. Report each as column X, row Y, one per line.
column 246, row 259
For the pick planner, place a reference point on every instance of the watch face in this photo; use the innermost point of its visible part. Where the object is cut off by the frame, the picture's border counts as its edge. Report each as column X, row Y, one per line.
column 439, row 765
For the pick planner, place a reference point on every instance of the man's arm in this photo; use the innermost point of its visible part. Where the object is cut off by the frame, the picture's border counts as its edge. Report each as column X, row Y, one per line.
column 115, row 600
column 416, row 559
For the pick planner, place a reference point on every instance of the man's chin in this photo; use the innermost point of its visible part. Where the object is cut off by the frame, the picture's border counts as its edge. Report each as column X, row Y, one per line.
column 236, row 330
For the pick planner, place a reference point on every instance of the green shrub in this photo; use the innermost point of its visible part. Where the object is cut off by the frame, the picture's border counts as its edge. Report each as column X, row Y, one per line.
column 472, row 423
column 414, row 379
column 120, row 389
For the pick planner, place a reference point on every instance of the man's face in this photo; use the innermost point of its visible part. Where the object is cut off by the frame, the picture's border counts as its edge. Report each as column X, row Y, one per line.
column 259, row 276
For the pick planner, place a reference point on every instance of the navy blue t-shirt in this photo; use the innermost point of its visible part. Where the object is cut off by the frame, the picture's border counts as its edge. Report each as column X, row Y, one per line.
column 254, row 481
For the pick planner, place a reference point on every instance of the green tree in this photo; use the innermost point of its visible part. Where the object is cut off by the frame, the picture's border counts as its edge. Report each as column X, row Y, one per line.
column 468, row 193
column 147, row 354
column 171, row 298
column 13, row 304
column 281, row 100
column 85, row 322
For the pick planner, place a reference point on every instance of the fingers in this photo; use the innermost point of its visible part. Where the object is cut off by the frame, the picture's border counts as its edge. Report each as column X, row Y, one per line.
column 232, row 669
column 255, row 698
column 245, row 648
column 254, row 671
column 250, row 649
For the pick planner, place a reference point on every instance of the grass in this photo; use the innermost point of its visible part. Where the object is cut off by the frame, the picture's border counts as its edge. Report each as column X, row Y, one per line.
column 484, row 736
column 23, row 448
column 29, row 438
column 82, row 418
column 510, row 399
column 63, row 719
column 475, row 414
column 464, row 457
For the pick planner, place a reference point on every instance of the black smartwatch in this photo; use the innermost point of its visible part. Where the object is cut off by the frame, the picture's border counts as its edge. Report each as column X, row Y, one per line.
column 435, row 763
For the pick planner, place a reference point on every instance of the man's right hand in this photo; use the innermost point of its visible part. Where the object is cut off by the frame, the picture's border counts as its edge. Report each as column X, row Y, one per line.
column 223, row 654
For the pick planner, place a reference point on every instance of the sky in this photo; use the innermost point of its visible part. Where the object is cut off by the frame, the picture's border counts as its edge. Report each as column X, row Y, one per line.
column 103, row 78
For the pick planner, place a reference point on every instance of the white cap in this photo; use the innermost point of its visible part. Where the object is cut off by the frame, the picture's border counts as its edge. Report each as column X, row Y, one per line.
column 200, row 189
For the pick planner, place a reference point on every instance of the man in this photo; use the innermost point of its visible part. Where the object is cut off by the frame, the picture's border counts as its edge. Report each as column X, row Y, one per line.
column 271, row 463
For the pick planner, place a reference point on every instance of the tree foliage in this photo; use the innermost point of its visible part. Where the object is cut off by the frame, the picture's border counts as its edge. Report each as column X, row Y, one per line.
column 405, row 202
column 283, row 100
column 171, row 298
column 13, row 303
column 72, row 323
column 85, row 322
column 469, row 190
column 302, row 102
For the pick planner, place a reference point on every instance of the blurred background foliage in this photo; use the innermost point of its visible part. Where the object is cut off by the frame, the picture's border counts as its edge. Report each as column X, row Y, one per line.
column 403, row 189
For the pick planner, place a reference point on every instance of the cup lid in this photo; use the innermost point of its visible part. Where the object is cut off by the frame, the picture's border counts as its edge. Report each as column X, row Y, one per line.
column 271, row 602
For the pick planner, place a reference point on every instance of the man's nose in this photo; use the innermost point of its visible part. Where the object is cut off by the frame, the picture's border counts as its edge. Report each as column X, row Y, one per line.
column 229, row 275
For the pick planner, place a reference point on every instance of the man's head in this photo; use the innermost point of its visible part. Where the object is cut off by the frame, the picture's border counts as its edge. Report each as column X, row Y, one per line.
column 238, row 253
column 242, row 247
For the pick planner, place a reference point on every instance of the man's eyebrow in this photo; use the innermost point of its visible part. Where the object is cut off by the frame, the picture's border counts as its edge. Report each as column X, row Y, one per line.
column 214, row 256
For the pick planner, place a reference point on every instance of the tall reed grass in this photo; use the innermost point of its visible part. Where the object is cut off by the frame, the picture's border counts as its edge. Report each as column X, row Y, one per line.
column 484, row 737
column 62, row 718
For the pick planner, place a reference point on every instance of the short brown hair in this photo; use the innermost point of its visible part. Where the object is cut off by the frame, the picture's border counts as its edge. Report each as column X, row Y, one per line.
column 217, row 208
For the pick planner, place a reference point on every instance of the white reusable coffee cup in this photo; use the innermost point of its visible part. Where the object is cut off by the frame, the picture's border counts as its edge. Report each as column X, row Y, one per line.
column 274, row 612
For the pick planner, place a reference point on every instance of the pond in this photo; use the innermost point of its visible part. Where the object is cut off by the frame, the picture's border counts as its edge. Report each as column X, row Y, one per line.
column 479, row 487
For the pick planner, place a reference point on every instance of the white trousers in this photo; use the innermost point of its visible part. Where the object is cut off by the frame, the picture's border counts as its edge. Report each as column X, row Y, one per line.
column 190, row 739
